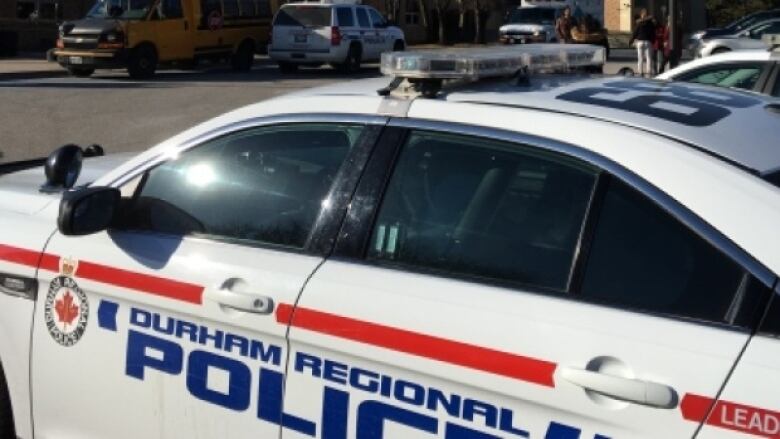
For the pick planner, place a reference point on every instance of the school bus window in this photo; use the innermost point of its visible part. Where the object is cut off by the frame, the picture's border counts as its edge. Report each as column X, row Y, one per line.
column 230, row 8
column 264, row 8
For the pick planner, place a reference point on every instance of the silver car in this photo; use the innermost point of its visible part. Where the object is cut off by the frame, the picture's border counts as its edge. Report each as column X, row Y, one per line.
column 748, row 38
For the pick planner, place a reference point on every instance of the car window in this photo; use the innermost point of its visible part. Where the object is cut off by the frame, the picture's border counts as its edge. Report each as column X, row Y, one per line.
column 377, row 20
column 362, row 17
column 303, row 15
column 346, row 17
column 643, row 258
column 743, row 75
column 486, row 209
column 265, row 185
column 769, row 28
column 776, row 91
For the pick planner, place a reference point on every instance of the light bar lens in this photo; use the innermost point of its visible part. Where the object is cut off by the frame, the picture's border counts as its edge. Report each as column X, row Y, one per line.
column 490, row 61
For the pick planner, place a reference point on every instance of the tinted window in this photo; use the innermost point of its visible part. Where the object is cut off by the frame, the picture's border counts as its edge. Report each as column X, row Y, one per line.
column 362, row 17
column 345, row 17
column 303, row 16
column 247, row 8
column 484, row 209
column 230, row 8
column 770, row 28
column 743, row 76
column 776, row 91
column 264, row 185
column 643, row 258
column 533, row 16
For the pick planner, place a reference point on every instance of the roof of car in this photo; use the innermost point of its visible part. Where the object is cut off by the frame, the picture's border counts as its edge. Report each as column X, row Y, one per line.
column 707, row 118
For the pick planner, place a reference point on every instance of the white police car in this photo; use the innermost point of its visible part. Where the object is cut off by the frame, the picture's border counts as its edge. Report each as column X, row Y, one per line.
column 343, row 34
column 756, row 70
column 532, row 258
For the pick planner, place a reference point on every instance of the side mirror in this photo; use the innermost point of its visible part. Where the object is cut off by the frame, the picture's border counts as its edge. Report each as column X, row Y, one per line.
column 88, row 210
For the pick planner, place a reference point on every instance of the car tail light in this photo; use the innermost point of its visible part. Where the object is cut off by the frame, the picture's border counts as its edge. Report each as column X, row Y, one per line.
column 335, row 36
column 60, row 43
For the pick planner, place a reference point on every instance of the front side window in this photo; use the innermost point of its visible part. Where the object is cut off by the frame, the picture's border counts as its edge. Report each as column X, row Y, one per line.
column 264, row 185
column 484, row 209
column 377, row 21
column 744, row 76
column 171, row 9
column 120, row 9
column 643, row 258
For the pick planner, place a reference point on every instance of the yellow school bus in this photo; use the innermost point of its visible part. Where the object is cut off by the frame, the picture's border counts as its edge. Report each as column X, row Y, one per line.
column 139, row 35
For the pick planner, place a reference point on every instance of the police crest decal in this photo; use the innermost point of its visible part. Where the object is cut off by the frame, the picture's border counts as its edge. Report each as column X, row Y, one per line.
column 66, row 310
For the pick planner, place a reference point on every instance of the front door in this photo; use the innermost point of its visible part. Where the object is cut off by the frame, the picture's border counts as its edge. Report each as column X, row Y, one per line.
column 173, row 32
column 167, row 325
column 503, row 290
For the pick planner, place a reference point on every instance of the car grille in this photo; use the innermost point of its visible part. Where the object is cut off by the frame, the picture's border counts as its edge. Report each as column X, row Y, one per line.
column 81, row 42
column 519, row 34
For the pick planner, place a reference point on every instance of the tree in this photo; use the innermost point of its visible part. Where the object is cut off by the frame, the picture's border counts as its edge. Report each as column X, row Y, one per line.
column 441, row 7
column 723, row 12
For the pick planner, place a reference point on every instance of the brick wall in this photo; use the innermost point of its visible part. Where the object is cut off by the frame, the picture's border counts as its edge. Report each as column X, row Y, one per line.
column 612, row 14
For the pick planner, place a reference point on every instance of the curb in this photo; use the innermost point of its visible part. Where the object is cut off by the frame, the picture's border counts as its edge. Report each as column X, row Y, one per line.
column 33, row 75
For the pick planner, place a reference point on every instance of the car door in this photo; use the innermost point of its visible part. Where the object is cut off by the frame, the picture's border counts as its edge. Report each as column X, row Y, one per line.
column 507, row 287
column 382, row 31
column 166, row 325
column 747, row 75
column 172, row 28
column 368, row 35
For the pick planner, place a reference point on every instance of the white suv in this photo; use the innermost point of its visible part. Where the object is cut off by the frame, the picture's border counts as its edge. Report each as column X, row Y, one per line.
column 343, row 35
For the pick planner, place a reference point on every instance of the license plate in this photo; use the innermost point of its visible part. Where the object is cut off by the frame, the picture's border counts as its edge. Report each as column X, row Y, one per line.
column 301, row 38
column 76, row 60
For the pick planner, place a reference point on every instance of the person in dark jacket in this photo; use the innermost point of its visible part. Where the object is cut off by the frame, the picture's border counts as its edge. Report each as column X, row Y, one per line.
column 642, row 39
column 563, row 26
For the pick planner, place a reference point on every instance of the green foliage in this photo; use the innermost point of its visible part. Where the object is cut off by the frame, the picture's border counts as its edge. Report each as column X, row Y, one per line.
column 723, row 12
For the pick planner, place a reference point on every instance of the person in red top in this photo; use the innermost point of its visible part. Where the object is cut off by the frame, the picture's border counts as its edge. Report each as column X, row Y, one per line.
column 661, row 46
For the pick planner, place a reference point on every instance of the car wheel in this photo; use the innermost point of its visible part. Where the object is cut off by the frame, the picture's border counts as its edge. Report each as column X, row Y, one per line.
column 718, row 50
column 399, row 46
column 287, row 67
column 142, row 62
column 244, row 57
column 354, row 58
column 7, row 429
column 81, row 72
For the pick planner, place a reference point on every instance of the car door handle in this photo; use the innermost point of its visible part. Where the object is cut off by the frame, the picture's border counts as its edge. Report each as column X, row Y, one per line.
column 233, row 294
column 627, row 389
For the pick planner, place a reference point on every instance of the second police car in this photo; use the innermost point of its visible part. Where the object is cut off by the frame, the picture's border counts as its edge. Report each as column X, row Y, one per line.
column 341, row 33
column 523, row 258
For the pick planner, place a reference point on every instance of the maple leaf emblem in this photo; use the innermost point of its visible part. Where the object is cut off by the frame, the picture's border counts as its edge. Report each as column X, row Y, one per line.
column 66, row 309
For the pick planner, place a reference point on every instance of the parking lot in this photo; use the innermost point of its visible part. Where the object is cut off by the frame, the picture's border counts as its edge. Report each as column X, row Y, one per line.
column 126, row 115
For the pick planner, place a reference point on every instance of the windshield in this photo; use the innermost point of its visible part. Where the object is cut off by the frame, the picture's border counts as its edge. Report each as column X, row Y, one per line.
column 533, row 16
column 121, row 9
column 308, row 16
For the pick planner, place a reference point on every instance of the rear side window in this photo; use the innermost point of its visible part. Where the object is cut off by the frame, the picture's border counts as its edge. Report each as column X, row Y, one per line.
column 643, row 258
column 776, row 92
column 307, row 16
column 345, row 17
column 743, row 75
column 478, row 208
column 362, row 16
column 376, row 18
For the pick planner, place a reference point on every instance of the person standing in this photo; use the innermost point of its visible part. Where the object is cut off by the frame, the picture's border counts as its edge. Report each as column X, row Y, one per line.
column 642, row 39
column 564, row 25
column 662, row 46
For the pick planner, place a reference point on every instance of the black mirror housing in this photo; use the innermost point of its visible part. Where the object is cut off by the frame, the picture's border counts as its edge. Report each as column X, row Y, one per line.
column 88, row 210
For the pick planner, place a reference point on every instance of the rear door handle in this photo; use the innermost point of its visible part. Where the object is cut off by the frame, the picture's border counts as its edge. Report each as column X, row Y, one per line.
column 234, row 294
column 627, row 389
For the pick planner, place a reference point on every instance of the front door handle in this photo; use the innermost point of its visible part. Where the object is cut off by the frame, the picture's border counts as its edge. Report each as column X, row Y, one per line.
column 234, row 294
column 627, row 389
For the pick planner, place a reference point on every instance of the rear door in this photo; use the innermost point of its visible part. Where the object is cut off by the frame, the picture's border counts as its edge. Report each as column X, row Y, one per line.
column 166, row 325
column 303, row 28
column 368, row 35
column 381, row 30
column 749, row 403
column 503, row 286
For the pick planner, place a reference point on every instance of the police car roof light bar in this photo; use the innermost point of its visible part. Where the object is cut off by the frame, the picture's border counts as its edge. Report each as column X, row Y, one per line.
column 432, row 67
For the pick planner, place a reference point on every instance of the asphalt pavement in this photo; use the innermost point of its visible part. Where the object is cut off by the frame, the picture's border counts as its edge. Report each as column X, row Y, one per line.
column 41, row 113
